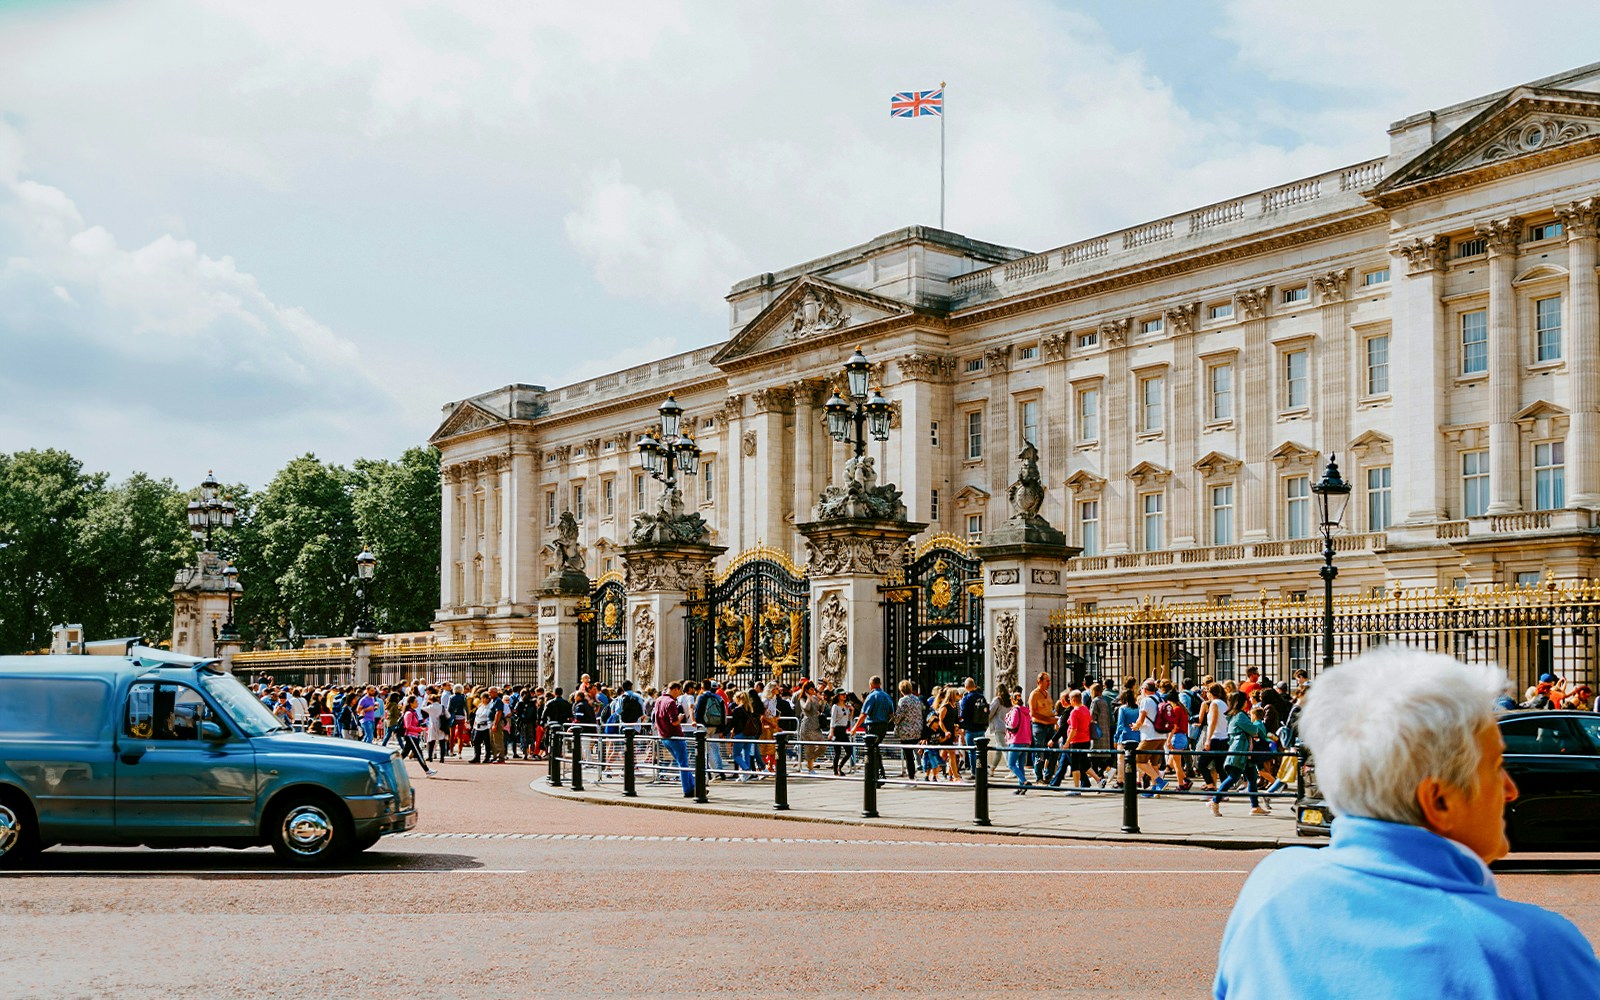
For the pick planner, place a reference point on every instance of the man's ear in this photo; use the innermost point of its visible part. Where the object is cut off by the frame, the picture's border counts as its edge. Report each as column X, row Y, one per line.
column 1434, row 799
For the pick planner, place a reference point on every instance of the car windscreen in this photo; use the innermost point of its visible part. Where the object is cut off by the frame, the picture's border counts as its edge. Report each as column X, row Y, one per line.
column 243, row 707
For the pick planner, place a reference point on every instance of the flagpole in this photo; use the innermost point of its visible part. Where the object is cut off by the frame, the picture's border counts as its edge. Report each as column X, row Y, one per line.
column 944, row 105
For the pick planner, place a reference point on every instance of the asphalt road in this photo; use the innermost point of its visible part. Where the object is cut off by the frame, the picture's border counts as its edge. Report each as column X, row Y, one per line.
column 501, row 892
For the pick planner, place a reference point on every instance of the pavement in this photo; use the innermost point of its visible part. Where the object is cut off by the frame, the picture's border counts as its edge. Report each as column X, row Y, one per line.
column 1164, row 818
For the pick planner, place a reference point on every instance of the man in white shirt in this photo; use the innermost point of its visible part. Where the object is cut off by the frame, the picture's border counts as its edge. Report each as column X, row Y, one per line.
column 1150, row 740
column 299, row 709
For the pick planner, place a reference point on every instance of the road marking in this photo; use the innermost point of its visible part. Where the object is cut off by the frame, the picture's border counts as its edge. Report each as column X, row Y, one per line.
column 1012, row 871
column 648, row 838
column 307, row 872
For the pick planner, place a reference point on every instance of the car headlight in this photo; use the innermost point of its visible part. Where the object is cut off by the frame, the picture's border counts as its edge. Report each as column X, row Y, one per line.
column 381, row 779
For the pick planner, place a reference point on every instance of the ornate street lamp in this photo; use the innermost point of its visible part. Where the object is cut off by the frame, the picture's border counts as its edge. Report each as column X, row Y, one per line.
column 674, row 451
column 210, row 512
column 1333, row 494
column 366, row 569
column 230, row 576
column 869, row 414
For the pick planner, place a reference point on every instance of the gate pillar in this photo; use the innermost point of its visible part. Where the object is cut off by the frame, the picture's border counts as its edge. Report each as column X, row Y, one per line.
column 847, row 561
column 659, row 580
column 560, row 601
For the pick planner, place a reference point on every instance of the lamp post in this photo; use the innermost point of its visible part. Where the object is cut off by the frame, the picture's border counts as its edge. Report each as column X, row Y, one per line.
column 210, row 512
column 850, row 422
column 674, row 451
column 366, row 568
column 1333, row 493
column 230, row 577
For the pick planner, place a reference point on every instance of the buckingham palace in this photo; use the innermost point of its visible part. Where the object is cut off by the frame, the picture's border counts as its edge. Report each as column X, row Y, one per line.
column 1429, row 317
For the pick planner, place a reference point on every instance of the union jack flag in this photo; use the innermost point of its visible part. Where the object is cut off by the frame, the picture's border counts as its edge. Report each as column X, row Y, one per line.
column 915, row 103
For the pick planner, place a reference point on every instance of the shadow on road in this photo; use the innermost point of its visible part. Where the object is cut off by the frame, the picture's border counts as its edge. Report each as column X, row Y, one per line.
column 135, row 862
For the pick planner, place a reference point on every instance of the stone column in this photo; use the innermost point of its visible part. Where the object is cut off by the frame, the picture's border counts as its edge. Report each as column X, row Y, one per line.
column 805, row 428
column 360, row 661
column 769, row 466
column 847, row 559
column 521, row 534
column 560, row 596
column 1059, row 432
column 199, row 599
column 1334, row 363
column 470, row 592
column 449, row 510
column 1184, row 424
column 658, row 581
column 1583, row 378
column 737, row 510
column 999, row 445
column 1117, row 427
column 1505, row 373
column 1255, row 407
column 920, row 371
column 1418, row 339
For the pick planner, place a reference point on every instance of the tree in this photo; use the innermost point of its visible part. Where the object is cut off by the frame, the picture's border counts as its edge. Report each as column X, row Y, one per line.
column 397, row 511
column 43, row 498
column 130, row 542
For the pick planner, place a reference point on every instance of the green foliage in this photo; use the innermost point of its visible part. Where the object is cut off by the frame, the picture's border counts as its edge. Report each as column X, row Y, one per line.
column 397, row 513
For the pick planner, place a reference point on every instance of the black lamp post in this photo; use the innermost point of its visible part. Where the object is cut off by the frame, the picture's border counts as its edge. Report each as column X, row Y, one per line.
column 852, row 421
column 1333, row 493
column 366, row 568
column 210, row 512
column 674, row 451
column 230, row 576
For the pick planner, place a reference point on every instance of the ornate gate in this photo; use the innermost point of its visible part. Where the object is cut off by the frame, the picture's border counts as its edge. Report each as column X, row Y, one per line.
column 752, row 623
column 603, row 632
column 933, row 616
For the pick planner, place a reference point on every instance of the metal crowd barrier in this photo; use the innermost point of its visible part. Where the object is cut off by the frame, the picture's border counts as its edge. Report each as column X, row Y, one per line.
column 1127, row 757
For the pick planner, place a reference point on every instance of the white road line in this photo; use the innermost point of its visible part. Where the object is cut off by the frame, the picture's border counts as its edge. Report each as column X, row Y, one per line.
column 1012, row 871
column 307, row 872
column 649, row 838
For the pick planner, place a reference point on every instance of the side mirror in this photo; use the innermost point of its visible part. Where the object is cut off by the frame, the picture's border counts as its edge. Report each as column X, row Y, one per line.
column 212, row 733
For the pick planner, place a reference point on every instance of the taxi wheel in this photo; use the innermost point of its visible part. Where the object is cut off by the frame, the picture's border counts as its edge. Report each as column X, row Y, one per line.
column 309, row 831
column 19, row 838
column 366, row 843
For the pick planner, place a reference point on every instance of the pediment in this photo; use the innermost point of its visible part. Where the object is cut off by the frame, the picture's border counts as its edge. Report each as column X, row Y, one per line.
column 1085, row 483
column 1371, row 443
column 465, row 418
column 1540, row 272
column 1538, row 409
column 971, row 495
column 1149, row 474
column 1293, row 455
column 1216, row 463
column 1526, row 128
column 810, row 309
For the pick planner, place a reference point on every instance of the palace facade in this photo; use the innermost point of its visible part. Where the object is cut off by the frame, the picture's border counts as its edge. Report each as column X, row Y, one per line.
column 1430, row 316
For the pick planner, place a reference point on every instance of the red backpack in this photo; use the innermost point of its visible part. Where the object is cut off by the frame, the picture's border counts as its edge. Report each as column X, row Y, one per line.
column 1166, row 719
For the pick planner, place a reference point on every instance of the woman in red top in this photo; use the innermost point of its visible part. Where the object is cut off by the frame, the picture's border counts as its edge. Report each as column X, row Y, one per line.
column 1079, row 738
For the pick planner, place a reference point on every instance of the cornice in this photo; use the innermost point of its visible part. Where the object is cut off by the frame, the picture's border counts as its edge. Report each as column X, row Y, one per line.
column 613, row 405
column 1492, row 170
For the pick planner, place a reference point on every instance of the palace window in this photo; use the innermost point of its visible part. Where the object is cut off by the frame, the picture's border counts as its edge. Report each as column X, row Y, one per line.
column 608, row 498
column 1474, row 342
column 708, row 481
column 1377, row 277
column 933, row 505
column 1089, row 339
column 550, row 508
column 974, row 365
column 933, row 433
column 1544, row 231
column 1153, row 521
column 1297, row 507
column 1379, row 492
column 1089, row 526
column 1296, row 379
column 1152, row 404
column 1547, row 329
column 1474, row 483
column 1088, row 414
column 1528, row 579
column 974, row 527
column 1378, row 365
column 1222, row 310
column 1472, row 248
column 1549, row 475
column 578, row 509
column 1300, row 293
column 1220, row 380
column 1222, row 515
column 975, row 434
column 1028, row 421
column 478, row 501
column 1028, row 353
column 638, row 491
column 1151, row 325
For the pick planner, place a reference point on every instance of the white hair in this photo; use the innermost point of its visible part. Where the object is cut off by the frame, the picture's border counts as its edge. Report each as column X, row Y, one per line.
column 1379, row 725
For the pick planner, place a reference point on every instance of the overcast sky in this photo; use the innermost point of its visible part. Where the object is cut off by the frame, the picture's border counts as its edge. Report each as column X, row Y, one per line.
column 233, row 232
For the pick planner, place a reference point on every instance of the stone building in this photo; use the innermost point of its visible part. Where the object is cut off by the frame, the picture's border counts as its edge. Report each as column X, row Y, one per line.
column 1429, row 315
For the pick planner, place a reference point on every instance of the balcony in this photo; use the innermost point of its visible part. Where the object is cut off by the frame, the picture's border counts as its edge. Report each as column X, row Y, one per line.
column 1287, row 550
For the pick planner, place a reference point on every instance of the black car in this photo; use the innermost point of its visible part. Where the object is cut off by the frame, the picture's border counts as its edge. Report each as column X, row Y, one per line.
column 1553, row 756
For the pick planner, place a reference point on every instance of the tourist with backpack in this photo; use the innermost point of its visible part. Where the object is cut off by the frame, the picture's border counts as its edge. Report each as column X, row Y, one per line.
column 1175, row 717
column 1152, row 740
column 974, row 718
column 711, row 715
column 669, row 728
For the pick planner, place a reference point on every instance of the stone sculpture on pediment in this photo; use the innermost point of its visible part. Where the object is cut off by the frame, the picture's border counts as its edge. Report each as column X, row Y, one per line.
column 817, row 310
column 668, row 524
column 566, row 553
column 860, row 496
column 1533, row 134
column 842, row 554
column 644, row 648
column 748, row 445
column 1005, row 649
column 833, row 639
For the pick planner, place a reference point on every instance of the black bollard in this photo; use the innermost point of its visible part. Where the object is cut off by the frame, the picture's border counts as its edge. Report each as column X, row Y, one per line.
column 627, row 764
column 1130, row 787
column 869, row 780
column 980, row 781
column 700, row 767
column 780, row 783
column 554, row 737
column 577, row 760
column 1299, row 776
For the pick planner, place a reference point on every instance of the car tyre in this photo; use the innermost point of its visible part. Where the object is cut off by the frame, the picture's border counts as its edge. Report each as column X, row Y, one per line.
column 19, row 834
column 366, row 843
column 309, row 831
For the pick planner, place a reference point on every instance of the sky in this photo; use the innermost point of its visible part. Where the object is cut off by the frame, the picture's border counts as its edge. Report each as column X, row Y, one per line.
column 233, row 232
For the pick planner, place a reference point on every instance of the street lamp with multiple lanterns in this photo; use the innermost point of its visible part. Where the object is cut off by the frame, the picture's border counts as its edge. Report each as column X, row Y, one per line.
column 867, row 411
column 366, row 570
column 1333, row 494
column 210, row 512
column 674, row 451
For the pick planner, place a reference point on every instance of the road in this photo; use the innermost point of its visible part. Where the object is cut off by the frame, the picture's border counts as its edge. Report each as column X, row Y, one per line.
column 502, row 892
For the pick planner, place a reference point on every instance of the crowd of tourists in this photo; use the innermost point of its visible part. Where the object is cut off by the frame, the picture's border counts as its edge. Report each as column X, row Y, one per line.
column 1206, row 736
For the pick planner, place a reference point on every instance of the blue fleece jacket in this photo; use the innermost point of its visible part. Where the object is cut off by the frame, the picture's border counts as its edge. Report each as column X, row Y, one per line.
column 1391, row 910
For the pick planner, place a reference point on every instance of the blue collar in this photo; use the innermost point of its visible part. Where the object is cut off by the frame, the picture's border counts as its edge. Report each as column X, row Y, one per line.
column 1407, row 853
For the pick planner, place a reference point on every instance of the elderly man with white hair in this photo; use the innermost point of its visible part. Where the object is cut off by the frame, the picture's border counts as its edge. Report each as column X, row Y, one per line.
column 1402, row 903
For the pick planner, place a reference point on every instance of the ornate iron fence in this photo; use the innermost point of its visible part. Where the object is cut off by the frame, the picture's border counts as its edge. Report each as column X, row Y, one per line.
column 603, row 632
column 496, row 661
column 933, row 616
column 1526, row 631
column 316, row 667
column 752, row 623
